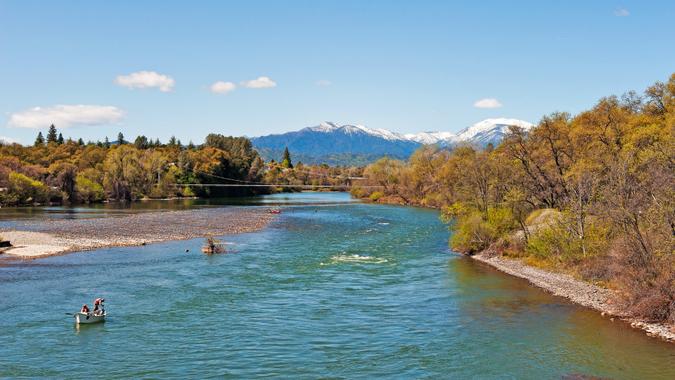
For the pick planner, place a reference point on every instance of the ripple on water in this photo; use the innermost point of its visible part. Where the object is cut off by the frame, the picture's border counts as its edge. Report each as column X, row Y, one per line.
column 355, row 259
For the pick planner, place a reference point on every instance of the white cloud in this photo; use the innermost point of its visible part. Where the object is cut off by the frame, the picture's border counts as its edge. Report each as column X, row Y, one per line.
column 260, row 82
column 7, row 140
column 221, row 87
column 621, row 12
column 323, row 83
column 146, row 79
column 65, row 116
column 487, row 103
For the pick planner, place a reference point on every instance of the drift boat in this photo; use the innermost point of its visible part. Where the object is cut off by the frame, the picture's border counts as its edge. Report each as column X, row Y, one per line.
column 86, row 318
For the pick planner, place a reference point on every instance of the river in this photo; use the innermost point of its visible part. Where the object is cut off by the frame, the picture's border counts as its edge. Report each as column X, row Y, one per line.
column 331, row 289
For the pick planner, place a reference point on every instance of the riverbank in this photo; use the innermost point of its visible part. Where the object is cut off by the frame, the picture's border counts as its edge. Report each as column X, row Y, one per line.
column 36, row 239
column 560, row 284
column 577, row 291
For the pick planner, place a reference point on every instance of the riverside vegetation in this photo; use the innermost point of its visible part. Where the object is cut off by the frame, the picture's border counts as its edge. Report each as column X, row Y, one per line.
column 592, row 195
column 58, row 170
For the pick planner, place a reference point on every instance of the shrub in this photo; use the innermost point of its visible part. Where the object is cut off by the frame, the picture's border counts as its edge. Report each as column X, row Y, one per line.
column 25, row 190
column 559, row 242
column 473, row 232
column 375, row 196
column 88, row 190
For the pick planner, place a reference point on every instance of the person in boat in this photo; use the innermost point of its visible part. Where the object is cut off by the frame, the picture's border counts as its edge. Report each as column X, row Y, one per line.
column 85, row 309
column 98, row 306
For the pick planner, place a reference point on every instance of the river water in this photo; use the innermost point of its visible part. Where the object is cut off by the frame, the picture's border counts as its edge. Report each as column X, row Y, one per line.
column 331, row 289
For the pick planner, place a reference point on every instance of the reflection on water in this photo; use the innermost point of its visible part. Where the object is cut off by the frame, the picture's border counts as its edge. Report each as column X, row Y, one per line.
column 330, row 289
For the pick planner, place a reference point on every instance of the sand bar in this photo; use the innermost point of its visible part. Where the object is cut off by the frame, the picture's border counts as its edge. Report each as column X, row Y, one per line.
column 40, row 238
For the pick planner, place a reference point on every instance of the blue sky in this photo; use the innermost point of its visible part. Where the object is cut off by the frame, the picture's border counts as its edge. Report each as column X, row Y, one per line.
column 406, row 66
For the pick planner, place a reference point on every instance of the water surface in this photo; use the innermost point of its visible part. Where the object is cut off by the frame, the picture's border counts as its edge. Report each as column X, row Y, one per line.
column 331, row 289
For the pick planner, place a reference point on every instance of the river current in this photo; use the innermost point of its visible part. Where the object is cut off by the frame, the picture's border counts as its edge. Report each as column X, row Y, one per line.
column 330, row 289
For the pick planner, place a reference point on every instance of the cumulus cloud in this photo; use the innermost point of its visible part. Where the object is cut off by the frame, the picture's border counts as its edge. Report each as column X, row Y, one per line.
column 260, row 82
column 65, row 116
column 323, row 83
column 621, row 12
column 7, row 140
column 487, row 103
column 221, row 87
column 146, row 79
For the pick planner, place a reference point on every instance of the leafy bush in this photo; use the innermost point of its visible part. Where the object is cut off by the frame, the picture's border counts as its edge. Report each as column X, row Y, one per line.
column 25, row 190
column 559, row 242
column 88, row 190
column 375, row 196
column 473, row 232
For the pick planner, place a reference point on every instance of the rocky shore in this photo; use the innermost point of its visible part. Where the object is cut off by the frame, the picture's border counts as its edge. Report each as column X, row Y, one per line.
column 35, row 239
column 577, row 291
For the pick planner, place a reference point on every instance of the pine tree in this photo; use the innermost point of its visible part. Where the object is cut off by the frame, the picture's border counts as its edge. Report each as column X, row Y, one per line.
column 39, row 140
column 141, row 142
column 120, row 139
column 286, row 159
column 106, row 142
column 172, row 141
column 59, row 140
column 80, row 142
column 51, row 135
column 191, row 145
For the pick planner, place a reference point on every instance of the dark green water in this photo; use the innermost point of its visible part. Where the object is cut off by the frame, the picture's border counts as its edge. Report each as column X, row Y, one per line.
column 329, row 290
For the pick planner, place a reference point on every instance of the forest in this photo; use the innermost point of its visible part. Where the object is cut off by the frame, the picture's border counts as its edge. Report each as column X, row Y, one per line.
column 591, row 194
column 65, row 171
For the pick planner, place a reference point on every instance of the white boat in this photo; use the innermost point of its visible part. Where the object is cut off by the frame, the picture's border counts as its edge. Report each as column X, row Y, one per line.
column 85, row 318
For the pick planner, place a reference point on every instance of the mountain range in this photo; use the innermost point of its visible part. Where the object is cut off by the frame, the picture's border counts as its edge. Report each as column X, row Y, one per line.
column 348, row 144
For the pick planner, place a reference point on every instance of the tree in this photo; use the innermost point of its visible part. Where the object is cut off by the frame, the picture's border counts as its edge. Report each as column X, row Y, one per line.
column 63, row 177
column 80, row 142
column 286, row 159
column 26, row 189
column 106, row 142
column 59, row 140
column 51, row 135
column 39, row 140
column 141, row 142
column 120, row 139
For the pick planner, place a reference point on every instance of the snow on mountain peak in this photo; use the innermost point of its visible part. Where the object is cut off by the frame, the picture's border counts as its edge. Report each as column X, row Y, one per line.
column 497, row 125
column 481, row 133
column 328, row 127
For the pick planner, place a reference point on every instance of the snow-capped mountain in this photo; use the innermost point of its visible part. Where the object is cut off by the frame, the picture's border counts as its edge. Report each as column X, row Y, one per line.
column 342, row 144
column 480, row 134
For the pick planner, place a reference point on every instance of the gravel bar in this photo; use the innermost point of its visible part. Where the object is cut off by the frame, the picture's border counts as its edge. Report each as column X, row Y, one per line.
column 34, row 239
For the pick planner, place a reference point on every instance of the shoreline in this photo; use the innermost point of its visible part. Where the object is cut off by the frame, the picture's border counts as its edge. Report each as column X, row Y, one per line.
column 559, row 284
column 36, row 239
column 579, row 292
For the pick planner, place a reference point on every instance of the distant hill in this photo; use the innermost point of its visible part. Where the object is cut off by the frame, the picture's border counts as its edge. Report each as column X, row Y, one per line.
column 335, row 144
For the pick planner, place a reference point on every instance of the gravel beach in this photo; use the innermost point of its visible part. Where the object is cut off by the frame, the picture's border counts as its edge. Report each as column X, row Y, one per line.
column 35, row 239
column 577, row 291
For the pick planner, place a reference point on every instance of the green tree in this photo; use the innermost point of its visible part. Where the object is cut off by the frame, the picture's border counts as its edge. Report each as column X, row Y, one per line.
column 26, row 190
column 141, row 142
column 59, row 140
column 51, row 134
column 286, row 159
column 120, row 139
column 39, row 140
